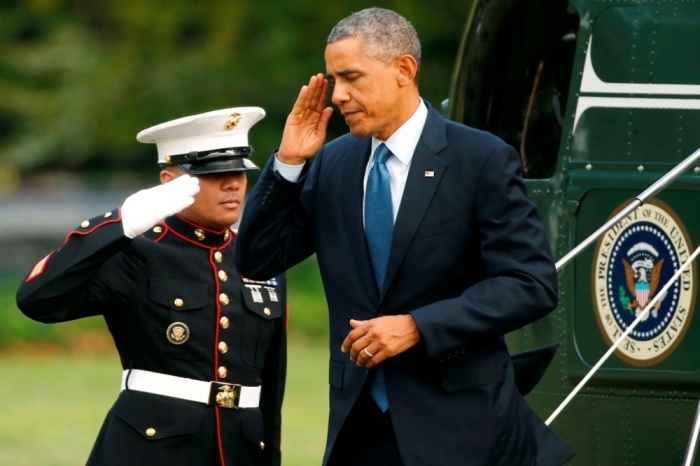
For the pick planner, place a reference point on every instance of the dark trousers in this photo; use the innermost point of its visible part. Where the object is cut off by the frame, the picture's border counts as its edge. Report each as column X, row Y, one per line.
column 366, row 438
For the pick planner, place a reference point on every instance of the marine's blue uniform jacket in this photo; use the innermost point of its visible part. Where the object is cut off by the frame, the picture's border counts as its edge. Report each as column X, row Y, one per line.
column 180, row 273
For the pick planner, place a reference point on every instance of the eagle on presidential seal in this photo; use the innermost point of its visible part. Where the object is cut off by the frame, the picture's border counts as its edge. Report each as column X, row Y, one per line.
column 642, row 278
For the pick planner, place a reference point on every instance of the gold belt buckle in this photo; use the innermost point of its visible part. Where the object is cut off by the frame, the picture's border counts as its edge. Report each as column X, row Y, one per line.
column 224, row 395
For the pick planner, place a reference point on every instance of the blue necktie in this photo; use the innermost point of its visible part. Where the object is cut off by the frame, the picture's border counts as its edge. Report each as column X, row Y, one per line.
column 379, row 228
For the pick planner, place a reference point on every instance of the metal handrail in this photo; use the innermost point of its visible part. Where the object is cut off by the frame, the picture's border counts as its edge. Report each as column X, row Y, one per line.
column 649, row 193
column 693, row 440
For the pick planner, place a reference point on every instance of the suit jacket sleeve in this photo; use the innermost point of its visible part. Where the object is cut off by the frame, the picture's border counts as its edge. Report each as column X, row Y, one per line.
column 273, row 381
column 276, row 229
column 520, row 278
column 66, row 285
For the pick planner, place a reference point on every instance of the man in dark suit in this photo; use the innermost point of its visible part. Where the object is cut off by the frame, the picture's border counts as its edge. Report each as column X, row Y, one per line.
column 429, row 251
column 203, row 350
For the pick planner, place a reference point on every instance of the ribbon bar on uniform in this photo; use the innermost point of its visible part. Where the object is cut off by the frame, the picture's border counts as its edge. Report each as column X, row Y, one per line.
column 270, row 282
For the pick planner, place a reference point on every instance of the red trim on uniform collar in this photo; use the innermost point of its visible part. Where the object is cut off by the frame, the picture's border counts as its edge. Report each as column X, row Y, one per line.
column 196, row 243
column 196, row 225
column 208, row 238
column 202, row 245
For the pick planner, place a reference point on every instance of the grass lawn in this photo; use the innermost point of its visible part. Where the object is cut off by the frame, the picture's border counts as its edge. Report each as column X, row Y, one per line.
column 52, row 406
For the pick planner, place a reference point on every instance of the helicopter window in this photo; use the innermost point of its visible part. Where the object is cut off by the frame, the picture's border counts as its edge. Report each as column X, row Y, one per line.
column 515, row 76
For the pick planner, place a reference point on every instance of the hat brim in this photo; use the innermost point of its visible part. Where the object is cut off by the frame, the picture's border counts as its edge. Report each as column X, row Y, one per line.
column 205, row 167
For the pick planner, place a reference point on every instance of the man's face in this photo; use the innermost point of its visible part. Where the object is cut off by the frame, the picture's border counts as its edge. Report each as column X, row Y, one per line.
column 365, row 89
column 219, row 200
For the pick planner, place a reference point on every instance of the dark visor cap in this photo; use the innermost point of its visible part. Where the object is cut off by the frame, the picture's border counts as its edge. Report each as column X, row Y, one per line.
column 234, row 159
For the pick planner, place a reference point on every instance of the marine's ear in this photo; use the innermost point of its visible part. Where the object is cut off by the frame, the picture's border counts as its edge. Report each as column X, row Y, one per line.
column 170, row 173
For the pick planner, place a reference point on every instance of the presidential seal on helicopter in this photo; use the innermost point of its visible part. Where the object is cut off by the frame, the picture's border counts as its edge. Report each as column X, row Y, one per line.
column 634, row 257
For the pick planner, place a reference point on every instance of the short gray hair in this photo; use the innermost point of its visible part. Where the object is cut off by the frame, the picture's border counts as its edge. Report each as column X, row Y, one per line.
column 387, row 34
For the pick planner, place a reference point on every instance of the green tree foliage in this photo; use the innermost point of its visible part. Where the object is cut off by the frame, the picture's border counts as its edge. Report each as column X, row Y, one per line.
column 79, row 78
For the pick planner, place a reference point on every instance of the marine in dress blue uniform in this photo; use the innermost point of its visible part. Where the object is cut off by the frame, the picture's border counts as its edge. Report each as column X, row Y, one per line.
column 203, row 349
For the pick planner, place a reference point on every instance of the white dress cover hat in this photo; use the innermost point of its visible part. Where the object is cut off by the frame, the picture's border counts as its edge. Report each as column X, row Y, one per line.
column 212, row 142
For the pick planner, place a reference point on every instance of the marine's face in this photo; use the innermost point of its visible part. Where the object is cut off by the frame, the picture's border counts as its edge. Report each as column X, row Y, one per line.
column 366, row 90
column 218, row 203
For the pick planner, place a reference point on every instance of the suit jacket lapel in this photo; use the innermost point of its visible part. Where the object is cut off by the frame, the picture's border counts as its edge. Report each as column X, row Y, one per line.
column 419, row 190
column 353, row 175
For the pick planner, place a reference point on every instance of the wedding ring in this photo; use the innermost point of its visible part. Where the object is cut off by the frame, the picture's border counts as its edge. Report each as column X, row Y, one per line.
column 367, row 353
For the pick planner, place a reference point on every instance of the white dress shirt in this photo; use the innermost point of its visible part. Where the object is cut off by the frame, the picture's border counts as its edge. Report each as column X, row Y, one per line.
column 402, row 144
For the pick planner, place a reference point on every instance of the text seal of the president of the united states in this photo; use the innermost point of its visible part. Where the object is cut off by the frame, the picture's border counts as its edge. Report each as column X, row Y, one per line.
column 633, row 261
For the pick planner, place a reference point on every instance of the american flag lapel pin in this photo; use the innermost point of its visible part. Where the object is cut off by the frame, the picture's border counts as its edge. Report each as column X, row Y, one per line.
column 429, row 174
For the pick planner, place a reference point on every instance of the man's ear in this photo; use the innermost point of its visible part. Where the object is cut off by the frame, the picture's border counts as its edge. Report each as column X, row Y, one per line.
column 170, row 173
column 408, row 67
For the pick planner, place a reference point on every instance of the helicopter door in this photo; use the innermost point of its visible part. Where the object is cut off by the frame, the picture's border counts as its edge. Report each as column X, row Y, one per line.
column 512, row 78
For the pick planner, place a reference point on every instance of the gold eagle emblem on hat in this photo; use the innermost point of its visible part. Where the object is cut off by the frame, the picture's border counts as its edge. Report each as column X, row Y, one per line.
column 233, row 120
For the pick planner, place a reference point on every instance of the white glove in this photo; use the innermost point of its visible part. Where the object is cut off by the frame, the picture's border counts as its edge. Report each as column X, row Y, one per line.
column 147, row 207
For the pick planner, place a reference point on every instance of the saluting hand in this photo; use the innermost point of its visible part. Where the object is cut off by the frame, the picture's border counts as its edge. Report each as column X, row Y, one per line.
column 305, row 130
column 375, row 340
column 147, row 207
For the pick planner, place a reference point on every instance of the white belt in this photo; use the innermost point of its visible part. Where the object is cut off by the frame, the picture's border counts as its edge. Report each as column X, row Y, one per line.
column 220, row 394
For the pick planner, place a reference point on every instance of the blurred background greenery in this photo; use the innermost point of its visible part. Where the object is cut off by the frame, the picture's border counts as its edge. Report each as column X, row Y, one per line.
column 78, row 80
